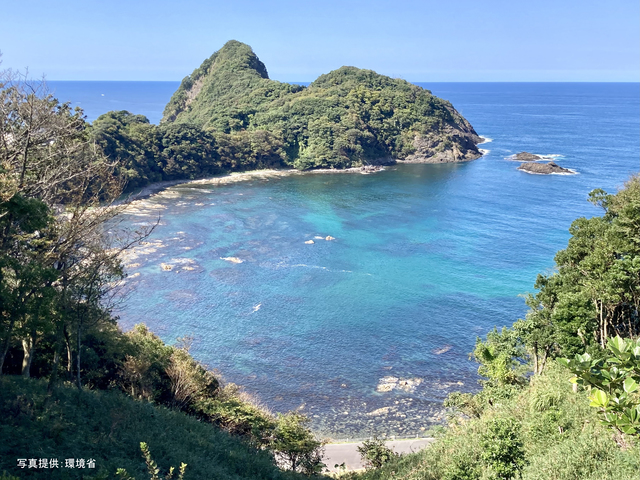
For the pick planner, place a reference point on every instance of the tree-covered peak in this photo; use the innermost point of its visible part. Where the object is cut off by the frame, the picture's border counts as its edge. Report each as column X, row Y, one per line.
column 235, row 64
column 349, row 76
column 235, row 55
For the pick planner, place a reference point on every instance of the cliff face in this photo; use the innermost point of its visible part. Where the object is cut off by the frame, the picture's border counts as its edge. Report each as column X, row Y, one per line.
column 348, row 117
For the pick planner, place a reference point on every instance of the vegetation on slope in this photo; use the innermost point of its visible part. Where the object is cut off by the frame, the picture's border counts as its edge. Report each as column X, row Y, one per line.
column 542, row 432
column 345, row 118
column 108, row 427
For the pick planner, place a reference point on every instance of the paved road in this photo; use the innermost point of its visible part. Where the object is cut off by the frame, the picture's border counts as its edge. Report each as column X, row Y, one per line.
column 337, row 453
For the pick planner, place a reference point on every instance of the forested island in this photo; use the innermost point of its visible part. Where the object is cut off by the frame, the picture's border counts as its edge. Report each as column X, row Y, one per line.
column 229, row 116
column 560, row 396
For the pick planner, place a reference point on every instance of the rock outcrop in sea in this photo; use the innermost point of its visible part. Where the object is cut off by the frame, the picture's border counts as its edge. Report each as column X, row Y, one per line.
column 544, row 168
column 525, row 157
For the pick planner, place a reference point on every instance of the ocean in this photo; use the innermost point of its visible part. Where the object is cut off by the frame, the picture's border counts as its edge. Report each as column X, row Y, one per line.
column 369, row 332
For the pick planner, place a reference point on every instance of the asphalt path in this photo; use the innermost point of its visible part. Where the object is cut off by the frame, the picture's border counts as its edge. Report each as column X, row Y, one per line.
column 347, row 453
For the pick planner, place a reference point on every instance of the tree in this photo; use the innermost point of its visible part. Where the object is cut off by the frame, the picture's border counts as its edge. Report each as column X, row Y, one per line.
column 375, row 453
column 502, row 357
column 294, row 444
column 595, row 293
column 58, row 264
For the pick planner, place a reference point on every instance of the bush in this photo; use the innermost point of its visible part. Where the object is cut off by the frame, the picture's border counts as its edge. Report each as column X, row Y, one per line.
column 502, row 448
column 375, row 453
column 295, row 445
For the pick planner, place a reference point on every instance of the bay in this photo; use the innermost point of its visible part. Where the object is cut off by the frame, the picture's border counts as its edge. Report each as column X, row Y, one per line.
column 425, row 257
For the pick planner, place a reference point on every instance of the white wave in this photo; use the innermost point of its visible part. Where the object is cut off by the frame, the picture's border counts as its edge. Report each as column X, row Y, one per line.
column 486, row 139
column 484, row 151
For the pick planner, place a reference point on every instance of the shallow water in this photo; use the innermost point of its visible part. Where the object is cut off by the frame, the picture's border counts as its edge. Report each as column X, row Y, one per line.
column 425, row 258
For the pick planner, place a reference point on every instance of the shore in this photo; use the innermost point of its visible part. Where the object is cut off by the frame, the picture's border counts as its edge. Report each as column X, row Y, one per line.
column 225, row 179
column 337, row 454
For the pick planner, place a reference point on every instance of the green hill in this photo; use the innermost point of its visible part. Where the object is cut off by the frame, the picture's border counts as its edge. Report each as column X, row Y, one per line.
column 108, row 427
column 348, row 117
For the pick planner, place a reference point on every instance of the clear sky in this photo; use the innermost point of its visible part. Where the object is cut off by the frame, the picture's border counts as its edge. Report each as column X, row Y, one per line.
column 423, row 40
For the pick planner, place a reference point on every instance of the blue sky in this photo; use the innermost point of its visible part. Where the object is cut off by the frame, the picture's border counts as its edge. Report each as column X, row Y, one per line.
column 559, row 40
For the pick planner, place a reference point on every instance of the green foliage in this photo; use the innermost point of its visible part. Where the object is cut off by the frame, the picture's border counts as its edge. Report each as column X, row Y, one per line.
column 295, row 445
column 108, row 426
column 345, row 118
column 545, row 423
column 152, row 467
column 614, row 383
column 228, row 115
column 465, row 403
column 595, row 294
column 375, row 453
column 501, row 358
column 502, row 448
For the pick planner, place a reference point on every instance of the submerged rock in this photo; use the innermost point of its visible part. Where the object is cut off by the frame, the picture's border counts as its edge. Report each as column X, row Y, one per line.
column 440, row 351
column 544, row 168
column 232, row 259
column 329, row 237
column 386, row 384
column 409, row 384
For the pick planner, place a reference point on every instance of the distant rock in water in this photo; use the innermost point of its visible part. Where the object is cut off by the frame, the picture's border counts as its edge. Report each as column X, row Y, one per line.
column 544, row 168
column 526, row 157
column 346, row 118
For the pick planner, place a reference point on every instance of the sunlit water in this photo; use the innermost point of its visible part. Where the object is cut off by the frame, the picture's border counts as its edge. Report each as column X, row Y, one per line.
column 425, row 258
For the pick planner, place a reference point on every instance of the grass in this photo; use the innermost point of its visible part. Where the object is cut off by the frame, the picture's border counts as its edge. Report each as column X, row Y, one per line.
column 108, row 427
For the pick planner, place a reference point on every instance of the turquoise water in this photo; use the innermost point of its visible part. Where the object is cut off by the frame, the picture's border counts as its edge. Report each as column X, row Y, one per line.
column 425, row 258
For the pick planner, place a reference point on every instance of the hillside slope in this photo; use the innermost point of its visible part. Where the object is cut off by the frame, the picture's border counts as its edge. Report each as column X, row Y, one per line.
column 108, row 427
column 348, row 117
column 557, row 432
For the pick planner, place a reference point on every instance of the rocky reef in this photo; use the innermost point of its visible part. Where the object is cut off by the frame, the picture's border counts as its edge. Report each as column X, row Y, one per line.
column 544, row 168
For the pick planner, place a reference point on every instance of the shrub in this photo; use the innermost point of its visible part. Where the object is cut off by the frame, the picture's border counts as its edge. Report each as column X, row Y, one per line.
column 295, row 445
column 152, row 467
column 375, row 453
column 502, row 448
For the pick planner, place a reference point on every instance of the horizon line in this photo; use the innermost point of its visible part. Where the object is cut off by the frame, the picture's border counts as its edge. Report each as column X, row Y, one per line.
column 410, row 81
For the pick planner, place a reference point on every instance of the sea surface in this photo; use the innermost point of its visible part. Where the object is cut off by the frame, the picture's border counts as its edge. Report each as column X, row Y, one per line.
column 369, row 332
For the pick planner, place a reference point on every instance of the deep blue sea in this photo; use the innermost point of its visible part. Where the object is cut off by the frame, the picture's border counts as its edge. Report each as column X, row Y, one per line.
column 369, row 332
